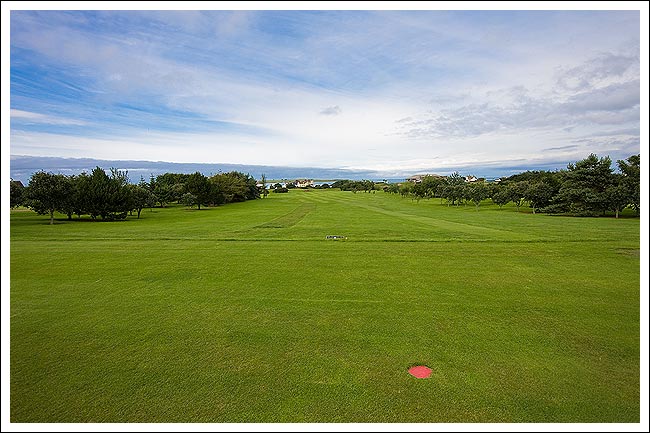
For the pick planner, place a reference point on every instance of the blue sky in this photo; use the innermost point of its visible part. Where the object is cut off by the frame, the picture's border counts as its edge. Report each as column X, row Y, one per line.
column 392, row 91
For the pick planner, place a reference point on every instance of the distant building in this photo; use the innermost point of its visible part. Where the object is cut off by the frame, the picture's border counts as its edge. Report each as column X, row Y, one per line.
column 470, row 179
column 304, row 183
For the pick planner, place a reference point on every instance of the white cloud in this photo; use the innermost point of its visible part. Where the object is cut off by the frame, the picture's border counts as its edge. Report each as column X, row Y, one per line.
column 30, row 117
column 331, row 111
column 418, row 90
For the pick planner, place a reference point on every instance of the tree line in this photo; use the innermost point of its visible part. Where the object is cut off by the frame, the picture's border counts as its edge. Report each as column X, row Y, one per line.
column 110, row 196
column 589, row 187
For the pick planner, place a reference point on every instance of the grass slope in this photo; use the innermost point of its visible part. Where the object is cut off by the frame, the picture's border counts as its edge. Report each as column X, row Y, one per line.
column 245, row 313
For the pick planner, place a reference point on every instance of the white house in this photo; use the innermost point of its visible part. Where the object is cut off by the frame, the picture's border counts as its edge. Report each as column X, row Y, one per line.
column 304, row 183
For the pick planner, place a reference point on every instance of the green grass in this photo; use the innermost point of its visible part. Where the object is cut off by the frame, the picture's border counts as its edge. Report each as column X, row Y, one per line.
column 245, row 313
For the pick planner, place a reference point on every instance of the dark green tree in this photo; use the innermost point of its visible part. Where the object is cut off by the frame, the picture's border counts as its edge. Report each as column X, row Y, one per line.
column 500, row 196
column 478, row 192
column 108, row 197
column 617, row 197
column 141, row 197
column 16, row 195
column 583, row 186
column 631, row 171
column 199, row 186
column 47, row 192
column 69, row 205
column 517, row 192
column 188, row 199
column 539, row 195
column 265, row 191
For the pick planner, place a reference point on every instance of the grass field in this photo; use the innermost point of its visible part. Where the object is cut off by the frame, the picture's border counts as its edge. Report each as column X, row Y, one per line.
column 245, row 313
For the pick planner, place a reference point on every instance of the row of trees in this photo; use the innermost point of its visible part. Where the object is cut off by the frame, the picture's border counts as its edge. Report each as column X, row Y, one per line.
column 588, row 187
column 112, row 197
column 354, row 185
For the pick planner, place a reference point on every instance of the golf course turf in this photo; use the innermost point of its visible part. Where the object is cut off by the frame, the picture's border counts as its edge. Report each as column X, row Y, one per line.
column 248, row 313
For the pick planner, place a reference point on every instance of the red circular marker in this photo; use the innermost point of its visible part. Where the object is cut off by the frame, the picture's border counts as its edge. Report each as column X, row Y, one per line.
column 420, row 371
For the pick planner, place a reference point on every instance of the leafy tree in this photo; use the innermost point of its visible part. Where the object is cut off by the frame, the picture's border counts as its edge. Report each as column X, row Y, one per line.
column 454, row 188
column 367, row 185
column 617, row 197
column 108, row 196
column 163, row 193
column 83, row 189
column 539, row 195
column 265, row 191
column 392, row 188
column 233, row 186
column 46, row 193
column 141, row 197
column 419, row 191
column 517, row 192
column 631, row 171
column 584, row 184
column 431, row 184
column 176, row 191
column 478, row 192
column 405, row 189
column 199, row 186
column 188, row 199
column 501, row 196
column 16, row 193
column 69, row 205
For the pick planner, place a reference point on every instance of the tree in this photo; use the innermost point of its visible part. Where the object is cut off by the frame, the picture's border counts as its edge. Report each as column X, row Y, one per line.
column 454, row 188
column 583, row 186
column 108, row 196
column 478, row 192
column 617, row 197
column 631, row 171
column 188, row 199
column 16, row 193
column 501, row 196
column 69, row 204
column 141, row 197
column 392, row 188
column 199, row 186
column 46, row 193
column 265, row 191
column 405, row 189
column 539, row 195
column 517, row 192
column 419, row 191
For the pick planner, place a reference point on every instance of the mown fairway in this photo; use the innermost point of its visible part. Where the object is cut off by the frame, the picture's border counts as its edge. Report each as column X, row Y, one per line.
column 245, row 313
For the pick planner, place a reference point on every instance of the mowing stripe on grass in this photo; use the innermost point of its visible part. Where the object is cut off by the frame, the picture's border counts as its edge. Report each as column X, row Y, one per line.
column 290, row 219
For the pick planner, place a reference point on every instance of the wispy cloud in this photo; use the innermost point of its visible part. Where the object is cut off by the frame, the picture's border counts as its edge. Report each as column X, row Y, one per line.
column 331, row 111
column 35, row 118
column 443, row 87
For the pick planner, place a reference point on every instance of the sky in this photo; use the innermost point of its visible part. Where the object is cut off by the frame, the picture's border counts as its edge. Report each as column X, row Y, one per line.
column 397, row 92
